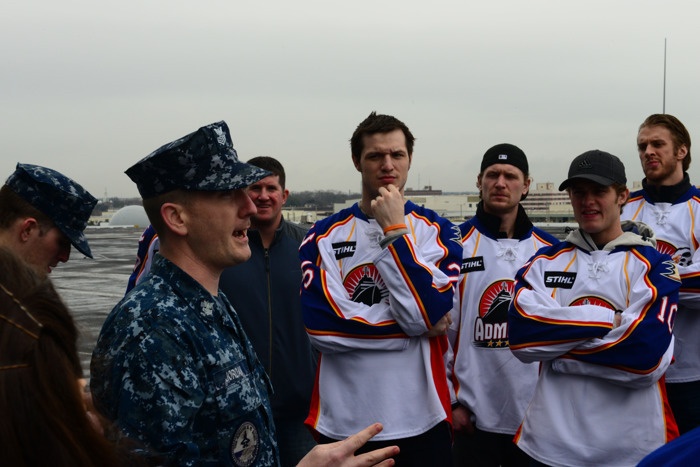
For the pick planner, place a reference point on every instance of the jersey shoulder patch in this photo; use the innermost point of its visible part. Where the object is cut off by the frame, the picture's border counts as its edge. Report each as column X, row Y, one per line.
column 671, row 270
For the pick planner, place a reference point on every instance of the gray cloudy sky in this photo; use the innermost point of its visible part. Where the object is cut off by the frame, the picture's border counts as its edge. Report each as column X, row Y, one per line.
column 89, row 88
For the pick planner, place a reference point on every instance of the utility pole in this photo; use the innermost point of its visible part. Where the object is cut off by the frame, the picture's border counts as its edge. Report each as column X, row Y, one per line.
column 664, row 102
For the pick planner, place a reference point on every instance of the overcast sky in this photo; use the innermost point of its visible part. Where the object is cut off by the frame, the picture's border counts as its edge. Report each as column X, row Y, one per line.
column 89, row 88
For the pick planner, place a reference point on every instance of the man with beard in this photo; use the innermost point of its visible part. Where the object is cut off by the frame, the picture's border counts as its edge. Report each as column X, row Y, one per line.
column 670, row 205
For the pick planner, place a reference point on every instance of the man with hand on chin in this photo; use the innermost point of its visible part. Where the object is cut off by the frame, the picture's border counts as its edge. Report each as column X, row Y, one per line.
column 378, row 284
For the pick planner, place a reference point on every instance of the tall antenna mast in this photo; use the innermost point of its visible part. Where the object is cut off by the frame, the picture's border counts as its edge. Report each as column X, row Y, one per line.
column 664, row 103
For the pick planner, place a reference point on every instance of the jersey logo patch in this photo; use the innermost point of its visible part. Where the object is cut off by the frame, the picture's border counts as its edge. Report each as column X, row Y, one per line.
column 491, row 326
column 456, row 234
column 561, row 279
column 671, row 271
column 593, row 300
column 365, row 285
column 472, row 264
column 245, row 445
column 343, row 249
column 681, row 256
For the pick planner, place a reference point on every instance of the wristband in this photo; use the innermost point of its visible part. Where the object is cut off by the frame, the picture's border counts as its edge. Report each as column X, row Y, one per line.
column 393, row 227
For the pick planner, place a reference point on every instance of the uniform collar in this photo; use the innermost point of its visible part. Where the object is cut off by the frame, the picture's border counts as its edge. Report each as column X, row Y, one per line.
column 191, row 291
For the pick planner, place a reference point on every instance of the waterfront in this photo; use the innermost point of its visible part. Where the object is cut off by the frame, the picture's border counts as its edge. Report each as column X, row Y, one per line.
column 91, row 287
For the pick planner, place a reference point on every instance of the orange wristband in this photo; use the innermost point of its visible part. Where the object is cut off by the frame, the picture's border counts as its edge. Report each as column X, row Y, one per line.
column 395, row 227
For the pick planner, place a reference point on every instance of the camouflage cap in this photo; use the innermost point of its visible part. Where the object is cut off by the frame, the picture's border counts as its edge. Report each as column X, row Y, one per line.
column 204, row 160
column 63, row 200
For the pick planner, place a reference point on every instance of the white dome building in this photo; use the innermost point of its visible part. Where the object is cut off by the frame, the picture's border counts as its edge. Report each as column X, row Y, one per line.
column 134, row 216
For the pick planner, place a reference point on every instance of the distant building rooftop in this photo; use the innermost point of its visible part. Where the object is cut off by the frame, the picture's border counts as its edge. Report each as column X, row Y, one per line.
column 426, row 191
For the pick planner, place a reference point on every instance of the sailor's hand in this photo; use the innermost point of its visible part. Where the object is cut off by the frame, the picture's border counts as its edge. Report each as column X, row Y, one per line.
column 342, row 453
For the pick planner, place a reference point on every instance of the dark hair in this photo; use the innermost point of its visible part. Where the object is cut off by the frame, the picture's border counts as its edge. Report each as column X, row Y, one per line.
column 378, row 124
column 43, row 421
column 679, row 133
column 271, row 164
column 13, row 207
column 619, row 189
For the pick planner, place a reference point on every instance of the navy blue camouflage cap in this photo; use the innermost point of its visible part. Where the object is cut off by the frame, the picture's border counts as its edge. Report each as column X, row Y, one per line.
column 64, row 201
column 204, row 160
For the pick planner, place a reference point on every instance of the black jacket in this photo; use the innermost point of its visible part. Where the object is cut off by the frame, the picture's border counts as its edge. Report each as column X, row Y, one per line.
column 264, row 292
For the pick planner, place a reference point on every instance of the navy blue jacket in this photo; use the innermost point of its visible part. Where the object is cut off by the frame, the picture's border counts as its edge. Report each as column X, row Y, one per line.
column 264, row 292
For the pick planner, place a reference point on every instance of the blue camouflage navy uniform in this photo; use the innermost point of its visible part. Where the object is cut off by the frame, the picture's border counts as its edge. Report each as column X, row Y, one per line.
column 173, row 367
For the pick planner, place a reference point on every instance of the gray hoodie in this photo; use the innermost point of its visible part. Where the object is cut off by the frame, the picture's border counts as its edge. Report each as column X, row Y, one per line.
column 633, row 233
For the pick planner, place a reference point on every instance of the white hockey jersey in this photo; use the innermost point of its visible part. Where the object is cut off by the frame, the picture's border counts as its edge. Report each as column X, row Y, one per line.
column 484, row 375
column 366, row 308
column 677, row 229
column 600, row 397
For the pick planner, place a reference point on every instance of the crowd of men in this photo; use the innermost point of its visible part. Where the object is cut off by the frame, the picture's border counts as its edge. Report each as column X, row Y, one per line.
column 244, row 339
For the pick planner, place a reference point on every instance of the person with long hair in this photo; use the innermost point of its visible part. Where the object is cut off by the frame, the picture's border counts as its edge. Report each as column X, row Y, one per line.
column 43, row 418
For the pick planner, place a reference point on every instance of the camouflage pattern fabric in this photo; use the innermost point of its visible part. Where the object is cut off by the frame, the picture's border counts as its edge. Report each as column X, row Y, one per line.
column 173, row 368
column 204, row 160
column 60, row 198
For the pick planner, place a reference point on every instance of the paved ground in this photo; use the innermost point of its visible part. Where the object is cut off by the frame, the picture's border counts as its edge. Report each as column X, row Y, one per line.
column 91, row 287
